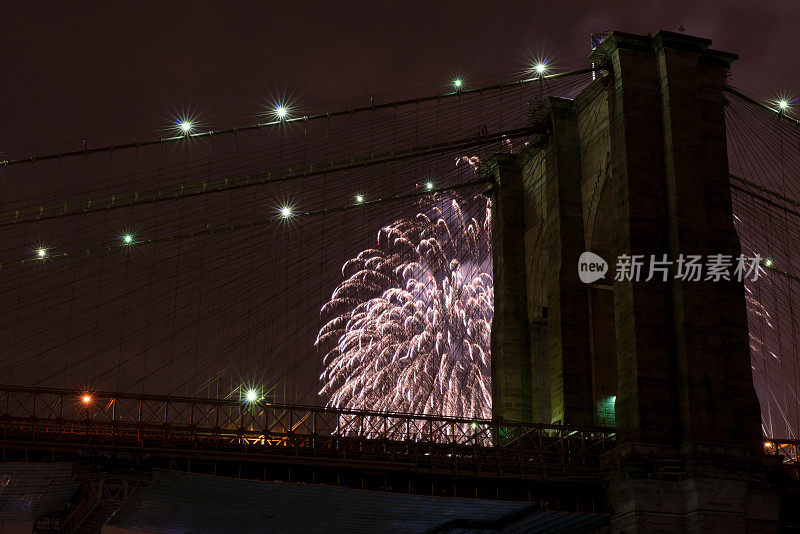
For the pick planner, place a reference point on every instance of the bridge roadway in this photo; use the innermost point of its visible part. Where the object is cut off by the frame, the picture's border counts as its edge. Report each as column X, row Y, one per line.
column 424, row 454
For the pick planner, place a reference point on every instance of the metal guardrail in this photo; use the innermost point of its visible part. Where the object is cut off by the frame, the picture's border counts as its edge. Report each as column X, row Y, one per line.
column 197, row 418
column 74, row 422
column 61, row 418
column 786, row 448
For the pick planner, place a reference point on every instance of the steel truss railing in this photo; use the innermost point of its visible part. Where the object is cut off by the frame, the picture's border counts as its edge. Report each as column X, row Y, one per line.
column 149, row 422
column 61, row 418
column 785, row 448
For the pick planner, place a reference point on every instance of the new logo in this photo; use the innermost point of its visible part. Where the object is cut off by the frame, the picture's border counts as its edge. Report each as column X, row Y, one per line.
column 591, row 267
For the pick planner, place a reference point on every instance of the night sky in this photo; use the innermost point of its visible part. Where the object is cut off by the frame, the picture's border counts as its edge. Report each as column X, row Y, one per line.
column 113, row 72
column 73, row 70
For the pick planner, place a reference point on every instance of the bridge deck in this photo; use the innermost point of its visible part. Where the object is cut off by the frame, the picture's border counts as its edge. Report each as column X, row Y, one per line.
column 404, row 452
column 306, row 443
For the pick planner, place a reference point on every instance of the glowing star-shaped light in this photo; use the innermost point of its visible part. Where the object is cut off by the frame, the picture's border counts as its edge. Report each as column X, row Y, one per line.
column 768, row 262
column 783, row 104
column 127, row 239
column 41, row 253
column 186, row 126
column 86, row 399
column 540, row 68
column 359, row 199
column 286, row 212
column 429, row 186
column 251, row 395
column 281, row 112
column 458, row 83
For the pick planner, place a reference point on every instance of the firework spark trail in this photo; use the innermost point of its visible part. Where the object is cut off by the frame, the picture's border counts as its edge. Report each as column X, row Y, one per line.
column 763, row 336
column 409, row 326
column 764, row 342
column 757, row 315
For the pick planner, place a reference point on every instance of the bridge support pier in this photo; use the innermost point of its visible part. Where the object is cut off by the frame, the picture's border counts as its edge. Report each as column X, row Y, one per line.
column 637, row 166
column 511, row 369
column 685, row 394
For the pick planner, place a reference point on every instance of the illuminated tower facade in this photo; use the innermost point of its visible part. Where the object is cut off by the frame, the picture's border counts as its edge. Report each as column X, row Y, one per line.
column 635, row 165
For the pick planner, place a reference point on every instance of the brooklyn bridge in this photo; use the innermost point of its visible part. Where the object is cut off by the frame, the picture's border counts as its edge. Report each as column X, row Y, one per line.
column 373, row 318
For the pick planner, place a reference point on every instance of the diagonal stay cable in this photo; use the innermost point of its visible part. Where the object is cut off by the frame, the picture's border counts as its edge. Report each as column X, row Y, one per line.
column 763, row 190
column 755, row 102
column 258, row 126
column 253, row 224
column 36, row 214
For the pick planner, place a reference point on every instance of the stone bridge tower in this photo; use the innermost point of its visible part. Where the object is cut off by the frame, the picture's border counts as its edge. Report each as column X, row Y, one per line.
column 636, row 164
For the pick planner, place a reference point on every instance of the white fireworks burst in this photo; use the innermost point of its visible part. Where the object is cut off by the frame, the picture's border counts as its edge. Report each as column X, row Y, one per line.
column 409, row 326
